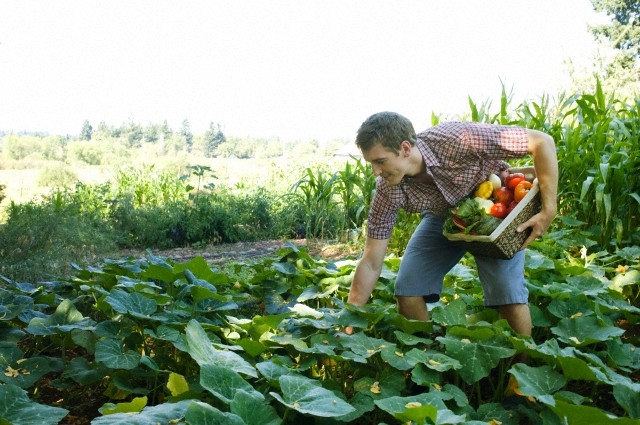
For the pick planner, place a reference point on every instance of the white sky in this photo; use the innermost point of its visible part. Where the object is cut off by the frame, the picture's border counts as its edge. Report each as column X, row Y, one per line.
column 292, row 68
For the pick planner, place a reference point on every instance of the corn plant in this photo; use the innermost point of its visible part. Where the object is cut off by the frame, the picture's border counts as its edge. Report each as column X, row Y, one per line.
column 317, row 189
column 356, row 184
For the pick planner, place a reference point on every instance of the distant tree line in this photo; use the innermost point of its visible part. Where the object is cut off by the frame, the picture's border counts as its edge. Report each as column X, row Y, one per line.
column 105, row 144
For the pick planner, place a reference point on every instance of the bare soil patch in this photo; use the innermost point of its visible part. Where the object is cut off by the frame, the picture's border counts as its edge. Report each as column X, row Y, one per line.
column 240, row 251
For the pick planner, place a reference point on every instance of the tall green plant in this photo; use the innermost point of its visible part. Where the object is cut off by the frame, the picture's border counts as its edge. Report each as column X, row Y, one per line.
column 317, row 190
column 599, row 161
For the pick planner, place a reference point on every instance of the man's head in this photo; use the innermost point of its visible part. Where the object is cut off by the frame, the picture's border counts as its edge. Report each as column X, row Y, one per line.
column 388, row 129
column 387, row 140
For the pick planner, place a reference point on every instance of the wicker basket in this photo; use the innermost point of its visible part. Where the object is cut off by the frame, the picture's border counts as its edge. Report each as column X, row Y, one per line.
column 504, row 242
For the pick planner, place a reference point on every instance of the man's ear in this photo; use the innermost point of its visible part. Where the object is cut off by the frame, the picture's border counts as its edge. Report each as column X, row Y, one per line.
column 405, row 148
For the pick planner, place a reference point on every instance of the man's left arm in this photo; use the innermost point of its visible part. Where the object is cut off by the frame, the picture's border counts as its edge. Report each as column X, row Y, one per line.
column 543, row 149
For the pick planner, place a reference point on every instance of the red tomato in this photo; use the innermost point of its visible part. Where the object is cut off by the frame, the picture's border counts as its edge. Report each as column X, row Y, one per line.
column 503, row 195
column 521, row 190
column 512, row 180
column 499, row 210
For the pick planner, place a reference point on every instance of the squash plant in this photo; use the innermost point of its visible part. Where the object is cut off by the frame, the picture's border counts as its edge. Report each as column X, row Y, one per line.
column 262, row 343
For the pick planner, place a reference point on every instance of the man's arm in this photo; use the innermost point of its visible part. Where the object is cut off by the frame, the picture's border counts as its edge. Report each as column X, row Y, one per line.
column 543, row 149
column 368, row 271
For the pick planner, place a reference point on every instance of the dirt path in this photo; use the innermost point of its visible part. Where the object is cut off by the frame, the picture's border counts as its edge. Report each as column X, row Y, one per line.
column 248, row 250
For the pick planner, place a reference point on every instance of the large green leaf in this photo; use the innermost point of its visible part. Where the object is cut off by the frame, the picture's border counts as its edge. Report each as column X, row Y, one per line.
column 18, row 409
column 477, row 350
column 28, row 371
column 413, row 409
column 539, row 382
column 65, row 318
column 453, row 313
column 199, row 413
column 11, row 304
column 401, row 360
column 165, row 413
column 224, row 382
column 114, row 355
column 253, row 410
column 362, row 345
column 628, row 396
column 586, row 415
column 83, row 372
column 199, row 346
column 631, row 277
column 134, row 304
column 586, row 330
column 272, row 371
column 307, row 396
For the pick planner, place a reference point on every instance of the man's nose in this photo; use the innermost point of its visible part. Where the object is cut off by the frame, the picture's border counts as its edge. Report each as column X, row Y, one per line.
column 376, row 170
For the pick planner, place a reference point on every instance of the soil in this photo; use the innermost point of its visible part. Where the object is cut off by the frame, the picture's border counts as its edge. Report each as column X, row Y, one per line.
column 216, row 254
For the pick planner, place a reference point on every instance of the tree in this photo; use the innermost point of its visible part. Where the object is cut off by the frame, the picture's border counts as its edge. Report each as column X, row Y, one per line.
column 85, row 134
column 186, row 133
column 616, row 64
column 213, row 138
column 623, row 33
column 151, row 133
column 134, row 134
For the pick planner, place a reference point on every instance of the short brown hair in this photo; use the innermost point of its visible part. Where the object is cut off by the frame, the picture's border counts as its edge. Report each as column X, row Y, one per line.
column 389, row 129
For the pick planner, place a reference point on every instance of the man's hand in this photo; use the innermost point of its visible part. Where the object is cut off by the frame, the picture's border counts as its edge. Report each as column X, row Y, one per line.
column 538, row 223
column 348, row 330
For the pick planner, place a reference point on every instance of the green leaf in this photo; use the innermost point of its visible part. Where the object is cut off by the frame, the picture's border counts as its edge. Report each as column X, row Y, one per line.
column 363, row 345
column 586, row 415
column 83, row 372
column 581, row 331
column 272, row 371
column 224, row 382
column 409, row 339
column 452, row 314
column 134, row 406
column 628, row 396
column 619, row 281
column 65, row 318
column 203, row 352
column 177, row 384
column 200, row 413
column 165, row 413
column 16, row 408
column 114, row 355
column 254, row 410
column 28, row 371
column 439, row 361
column 401, row 360
column 477, row 357
column 307, row 396
column 409, row 409
column 134, row 304
column 539, row 382
column 11, row 305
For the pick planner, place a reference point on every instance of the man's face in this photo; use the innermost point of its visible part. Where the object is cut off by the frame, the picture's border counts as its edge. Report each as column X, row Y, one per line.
column 391, row 166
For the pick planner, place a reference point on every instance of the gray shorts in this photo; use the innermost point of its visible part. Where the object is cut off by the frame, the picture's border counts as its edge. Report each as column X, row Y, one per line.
column 429, row 257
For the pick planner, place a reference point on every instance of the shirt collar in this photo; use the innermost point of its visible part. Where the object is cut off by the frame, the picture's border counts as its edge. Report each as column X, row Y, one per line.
column 428, row 157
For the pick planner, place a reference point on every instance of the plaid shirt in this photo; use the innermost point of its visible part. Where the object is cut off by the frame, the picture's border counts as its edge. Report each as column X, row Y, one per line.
column 459, row 156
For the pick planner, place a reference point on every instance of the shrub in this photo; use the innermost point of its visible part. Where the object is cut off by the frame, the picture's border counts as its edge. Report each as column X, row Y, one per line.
column 57, row 175
column 43, row 240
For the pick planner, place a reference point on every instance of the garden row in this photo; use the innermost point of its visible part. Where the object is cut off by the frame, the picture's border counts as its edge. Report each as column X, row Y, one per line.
column 261, row 343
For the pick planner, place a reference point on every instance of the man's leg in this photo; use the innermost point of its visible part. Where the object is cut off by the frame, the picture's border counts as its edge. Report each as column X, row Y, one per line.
column 427, row 259
column 413, row 308
column 518, row 316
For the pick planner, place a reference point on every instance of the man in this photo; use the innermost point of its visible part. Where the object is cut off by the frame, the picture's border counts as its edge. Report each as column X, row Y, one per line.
column 429, row 173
